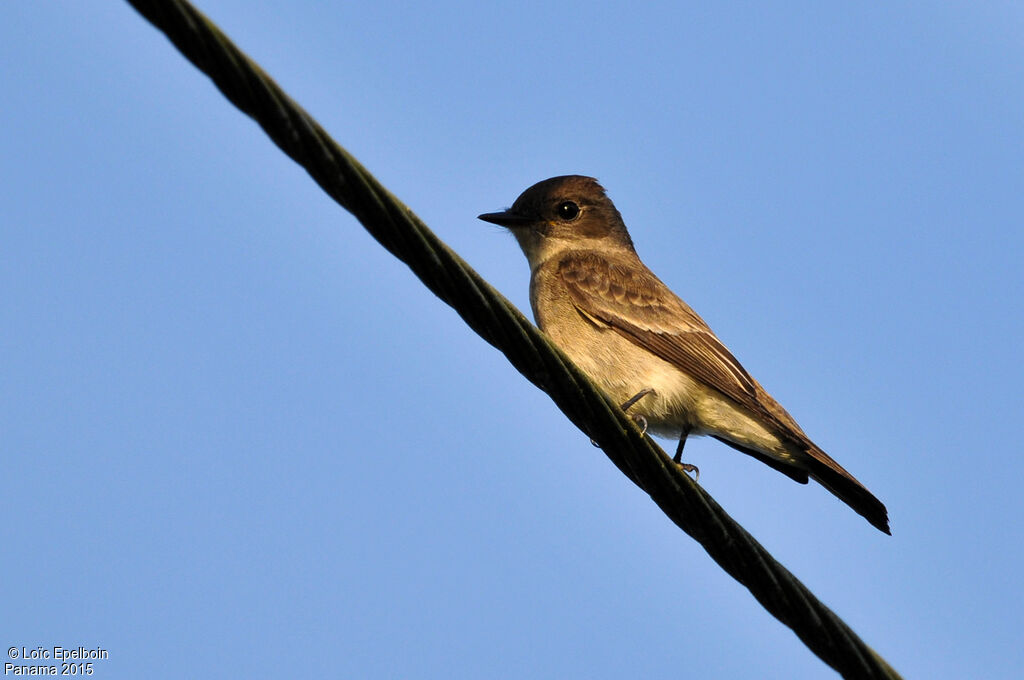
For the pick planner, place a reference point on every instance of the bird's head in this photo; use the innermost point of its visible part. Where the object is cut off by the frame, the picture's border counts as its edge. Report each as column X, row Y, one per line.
column 562, row 212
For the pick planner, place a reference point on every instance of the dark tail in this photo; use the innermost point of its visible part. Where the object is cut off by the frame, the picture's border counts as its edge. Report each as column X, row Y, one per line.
column 833, row 477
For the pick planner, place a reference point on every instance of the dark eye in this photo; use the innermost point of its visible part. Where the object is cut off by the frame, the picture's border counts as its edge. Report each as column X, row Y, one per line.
column 568, row 210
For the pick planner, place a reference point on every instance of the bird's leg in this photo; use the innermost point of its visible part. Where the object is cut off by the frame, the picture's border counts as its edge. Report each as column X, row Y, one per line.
column 638, row 419
column 682, row 442
column 636, row 397
column 677, row 459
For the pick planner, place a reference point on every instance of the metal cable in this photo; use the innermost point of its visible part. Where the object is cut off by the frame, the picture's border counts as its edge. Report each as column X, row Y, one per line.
column 499, row 323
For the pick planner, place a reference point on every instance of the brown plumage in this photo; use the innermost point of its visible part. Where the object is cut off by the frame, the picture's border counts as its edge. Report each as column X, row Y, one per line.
column 624, row 327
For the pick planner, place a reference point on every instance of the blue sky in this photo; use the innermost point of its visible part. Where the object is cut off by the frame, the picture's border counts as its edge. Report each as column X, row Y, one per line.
column 240, row 439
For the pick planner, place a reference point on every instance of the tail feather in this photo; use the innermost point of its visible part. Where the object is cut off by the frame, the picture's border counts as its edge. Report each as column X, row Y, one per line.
column 815, row 462
column 831, row 475
column 846, row 488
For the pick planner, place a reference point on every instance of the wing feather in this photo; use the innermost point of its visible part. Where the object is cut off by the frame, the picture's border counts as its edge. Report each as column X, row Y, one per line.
column 637, row 305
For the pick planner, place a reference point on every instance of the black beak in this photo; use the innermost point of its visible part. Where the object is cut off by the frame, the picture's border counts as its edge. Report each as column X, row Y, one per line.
column 506, row 219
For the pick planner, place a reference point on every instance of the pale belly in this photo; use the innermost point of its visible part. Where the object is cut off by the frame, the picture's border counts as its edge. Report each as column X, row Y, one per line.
column 623, row 369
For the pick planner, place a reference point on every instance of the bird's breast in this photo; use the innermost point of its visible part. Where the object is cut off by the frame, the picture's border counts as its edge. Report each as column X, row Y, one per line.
column 622, row 369
column 618, row 366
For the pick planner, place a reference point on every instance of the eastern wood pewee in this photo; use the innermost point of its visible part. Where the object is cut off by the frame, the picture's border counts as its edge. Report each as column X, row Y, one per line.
column 644, row 346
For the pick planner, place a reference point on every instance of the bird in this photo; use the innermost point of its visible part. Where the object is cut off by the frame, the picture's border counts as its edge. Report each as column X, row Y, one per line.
column 645, row 347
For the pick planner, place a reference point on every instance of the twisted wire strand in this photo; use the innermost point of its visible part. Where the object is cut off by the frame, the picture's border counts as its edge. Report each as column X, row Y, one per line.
column 498, row 322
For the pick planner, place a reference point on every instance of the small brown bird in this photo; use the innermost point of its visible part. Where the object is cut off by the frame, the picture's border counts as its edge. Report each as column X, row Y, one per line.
column 644, row 346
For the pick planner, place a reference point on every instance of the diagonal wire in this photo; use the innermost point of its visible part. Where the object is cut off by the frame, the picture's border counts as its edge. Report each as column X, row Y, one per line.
column 498, row 322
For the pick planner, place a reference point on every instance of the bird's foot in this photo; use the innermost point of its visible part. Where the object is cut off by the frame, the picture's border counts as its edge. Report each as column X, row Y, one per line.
column 689, row 467
column 641, row 422
column 678, row 458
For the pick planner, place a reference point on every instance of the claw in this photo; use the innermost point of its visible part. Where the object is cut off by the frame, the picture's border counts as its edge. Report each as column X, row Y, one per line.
column 641, row 423
column 690, row 467
column 595, row 444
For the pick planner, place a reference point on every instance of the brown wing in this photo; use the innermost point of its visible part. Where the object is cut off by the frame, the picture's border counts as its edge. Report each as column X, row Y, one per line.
column 636, row 304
